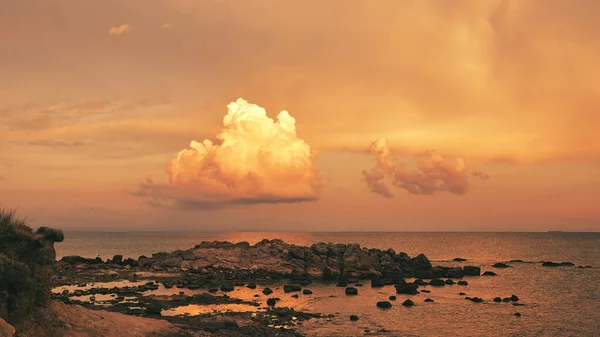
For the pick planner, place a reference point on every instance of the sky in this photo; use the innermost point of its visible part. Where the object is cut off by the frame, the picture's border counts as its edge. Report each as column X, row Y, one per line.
column 231, row 115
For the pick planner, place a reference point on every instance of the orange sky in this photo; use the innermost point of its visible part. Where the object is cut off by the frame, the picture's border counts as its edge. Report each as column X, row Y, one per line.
column 97, row 96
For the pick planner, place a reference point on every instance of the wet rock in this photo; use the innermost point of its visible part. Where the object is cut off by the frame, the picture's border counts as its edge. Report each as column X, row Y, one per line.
column 153, row 308
column 516, row 261
column 295, row 296
column 437, row 282
column 384, row 304
column 455, row 273
column 118, row 259
column 461, row 293
column 462, row 283
column 251, row 285
column 428, row 300
column 497, row 299
column 471, row 270
column 377, row 282
column 425, row 291
column 408, row 303
column 421, row 262
column 407, row 288
column 489, row 273
column 506, row 299
column 420, row 282
column 227, row 286
column 271, row 302
column 518, row 314
column 351, row 291
column 569, row 264
column 353, row 318
column 475, row 299
column 500, row 265
column 514, row 298
column 392, row 298
column 288, row 288
column 449, row 282
column 213, row 290
column 550, row 264
column 459, row 259
column 267, row 291
column 307, row 292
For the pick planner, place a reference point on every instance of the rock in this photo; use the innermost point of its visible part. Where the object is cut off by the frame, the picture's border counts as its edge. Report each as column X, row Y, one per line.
column 213, row 290
column 6, row 330
column 518, row 314
column 506, row 299
column 384, row 304
column 550, row 264
column 420, row 282
column 295, row 296
column 267, row 291
column 392, row 298
column 297, row 253
column 306, row 292
column 437, row 282
column 475, row 299
column 377, row 282
column 351, row 291
column 569, row 264
column 500, row 265
column 463, row 283
column 407, row 288
column 461, row 293
column 227, row 286
column 353, row 318
column 459, row 259
column 455, row 273
column 516, row 261
column 118, row 259
column 320, row 248
column 408, row 303
column 425, row 291
column 251, row 285
column 428, row 300
column 271, row 302
column 497, row 299
column 449, row 282
column 489, row 273
column 471, row 270
column 422, row 262
column 514, row 298
column 288, row 288
column 153, row 308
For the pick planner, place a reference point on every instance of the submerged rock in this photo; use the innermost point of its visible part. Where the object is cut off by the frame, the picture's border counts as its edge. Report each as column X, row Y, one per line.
column 500, row 265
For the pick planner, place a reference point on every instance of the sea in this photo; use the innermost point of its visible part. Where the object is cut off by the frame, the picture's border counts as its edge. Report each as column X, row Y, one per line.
column 554, row 301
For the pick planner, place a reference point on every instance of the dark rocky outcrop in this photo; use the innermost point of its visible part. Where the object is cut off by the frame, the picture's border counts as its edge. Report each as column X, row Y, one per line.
column 275, row 259
column 26, row 266
column 471, row 271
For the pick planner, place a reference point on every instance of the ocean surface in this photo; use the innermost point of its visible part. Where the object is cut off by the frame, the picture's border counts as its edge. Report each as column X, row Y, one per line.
column 558, row 301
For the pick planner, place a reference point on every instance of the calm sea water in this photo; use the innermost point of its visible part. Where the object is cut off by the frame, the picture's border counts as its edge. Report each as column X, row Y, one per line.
column 563, row 301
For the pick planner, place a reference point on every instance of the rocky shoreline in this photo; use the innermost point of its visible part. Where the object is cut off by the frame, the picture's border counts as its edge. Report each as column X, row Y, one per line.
column 215, row 288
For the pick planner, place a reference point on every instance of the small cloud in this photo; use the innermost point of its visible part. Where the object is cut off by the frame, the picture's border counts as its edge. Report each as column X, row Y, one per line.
column 431, row 174
column 118, row 30
column 166, row 26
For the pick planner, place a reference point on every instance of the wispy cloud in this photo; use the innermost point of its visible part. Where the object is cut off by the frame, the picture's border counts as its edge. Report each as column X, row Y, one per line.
column 53, row 143
column 118, row 30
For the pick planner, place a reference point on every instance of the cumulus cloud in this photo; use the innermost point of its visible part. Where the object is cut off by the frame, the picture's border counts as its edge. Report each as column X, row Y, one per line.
column 258, row 161
column 118, row 30
column 431, row 174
